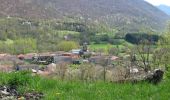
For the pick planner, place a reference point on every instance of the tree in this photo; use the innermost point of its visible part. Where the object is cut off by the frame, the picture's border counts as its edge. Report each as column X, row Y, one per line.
column 155, row 55
column 143, row 51
column 3, row 36
column 26, row 45
column 67, row 45
column 162, row 54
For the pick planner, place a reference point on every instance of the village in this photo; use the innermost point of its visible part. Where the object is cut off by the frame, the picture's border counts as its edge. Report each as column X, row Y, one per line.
column 76, row 64
column 84, row 50
column 33, row 61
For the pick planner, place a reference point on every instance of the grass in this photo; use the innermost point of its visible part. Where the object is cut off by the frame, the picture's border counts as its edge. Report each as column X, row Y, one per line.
column 105, row 47
column 75, row 90
column 120, row 45
column 98, row 46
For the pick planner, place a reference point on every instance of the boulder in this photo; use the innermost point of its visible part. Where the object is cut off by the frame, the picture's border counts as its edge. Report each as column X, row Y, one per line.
column 155, row 77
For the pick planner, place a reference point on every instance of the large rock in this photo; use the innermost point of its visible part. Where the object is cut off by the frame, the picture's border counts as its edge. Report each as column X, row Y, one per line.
column 155, row 77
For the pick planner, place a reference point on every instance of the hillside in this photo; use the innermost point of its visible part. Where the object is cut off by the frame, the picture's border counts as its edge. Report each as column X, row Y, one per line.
column 125, row 14
column 165, row 8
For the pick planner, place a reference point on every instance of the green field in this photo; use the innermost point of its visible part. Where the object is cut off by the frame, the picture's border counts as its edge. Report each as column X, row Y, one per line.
column 102, row 46
column 120, row 48
column 103, row 91
column 54, row 89
column 98, row 46
column 121, row 44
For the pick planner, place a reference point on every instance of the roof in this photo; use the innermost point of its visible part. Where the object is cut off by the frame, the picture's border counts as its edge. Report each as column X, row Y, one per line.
column 114, row 57
column 75, row 51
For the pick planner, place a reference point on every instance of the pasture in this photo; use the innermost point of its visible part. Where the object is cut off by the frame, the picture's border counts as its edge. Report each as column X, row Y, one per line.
column 54, row 89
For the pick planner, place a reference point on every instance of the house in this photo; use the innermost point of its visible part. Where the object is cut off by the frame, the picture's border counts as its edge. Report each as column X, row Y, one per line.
column 113, row 58
column 75, row 51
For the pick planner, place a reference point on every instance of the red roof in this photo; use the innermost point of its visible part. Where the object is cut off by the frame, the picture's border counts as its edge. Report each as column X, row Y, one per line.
column 114, row 57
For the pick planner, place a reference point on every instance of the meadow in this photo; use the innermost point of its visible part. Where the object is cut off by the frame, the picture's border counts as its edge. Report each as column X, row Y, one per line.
column 55, row 89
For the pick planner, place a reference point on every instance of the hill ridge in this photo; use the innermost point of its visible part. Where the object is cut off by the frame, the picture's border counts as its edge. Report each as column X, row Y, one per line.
column 130, row 13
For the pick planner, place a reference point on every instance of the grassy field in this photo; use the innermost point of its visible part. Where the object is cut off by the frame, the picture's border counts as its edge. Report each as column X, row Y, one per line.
column 103, row 91
column 106, row 47
column 102, row 46
column 120, row 45
column 73, row 90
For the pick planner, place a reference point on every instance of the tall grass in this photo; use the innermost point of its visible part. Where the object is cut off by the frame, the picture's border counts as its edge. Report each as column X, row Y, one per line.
column 77, row 90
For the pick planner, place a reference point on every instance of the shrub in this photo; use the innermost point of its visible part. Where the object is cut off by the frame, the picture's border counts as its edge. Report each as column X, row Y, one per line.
column 24, row 45
column 17, row 79
column 67, row 45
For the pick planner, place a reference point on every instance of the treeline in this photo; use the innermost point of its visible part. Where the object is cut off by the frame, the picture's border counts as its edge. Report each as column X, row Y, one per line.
column 137, row 38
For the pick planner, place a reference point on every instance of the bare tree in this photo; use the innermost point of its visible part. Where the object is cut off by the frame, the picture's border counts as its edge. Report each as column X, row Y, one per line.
column 144, row 51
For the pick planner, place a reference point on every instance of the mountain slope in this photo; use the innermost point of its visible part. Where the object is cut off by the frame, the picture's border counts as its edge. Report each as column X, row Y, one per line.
column 165, row 8
column 125, row 14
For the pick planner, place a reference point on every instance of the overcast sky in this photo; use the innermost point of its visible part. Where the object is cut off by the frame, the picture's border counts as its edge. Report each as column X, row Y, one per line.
column 158, row 2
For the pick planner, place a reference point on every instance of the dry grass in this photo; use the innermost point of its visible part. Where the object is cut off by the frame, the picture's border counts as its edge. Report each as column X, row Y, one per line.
column 87, row 72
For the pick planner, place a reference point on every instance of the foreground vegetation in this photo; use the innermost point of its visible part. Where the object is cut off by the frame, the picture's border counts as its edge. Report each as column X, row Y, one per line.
column 54, row 89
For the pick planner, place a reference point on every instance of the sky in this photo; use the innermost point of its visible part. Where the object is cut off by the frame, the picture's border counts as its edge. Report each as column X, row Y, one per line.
column 158, row 2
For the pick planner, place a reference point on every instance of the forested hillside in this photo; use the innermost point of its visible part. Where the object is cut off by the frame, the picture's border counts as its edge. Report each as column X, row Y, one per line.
column 40, row 25
column 125, row 14
column 23, row 36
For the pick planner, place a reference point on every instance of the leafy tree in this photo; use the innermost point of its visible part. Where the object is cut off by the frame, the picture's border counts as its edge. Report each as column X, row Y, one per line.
column 162, row 54
column 25, row 45
column 143, row 51
column 136, row 38
column 67, row 45
column 104, row 38
column 3, row 35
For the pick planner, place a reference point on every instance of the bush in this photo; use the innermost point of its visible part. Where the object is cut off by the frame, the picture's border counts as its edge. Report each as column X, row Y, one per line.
column 67, row 45
column 24, row 45
column 104, row 37
column 96, row 40
column 116, row 41
column 17, row 79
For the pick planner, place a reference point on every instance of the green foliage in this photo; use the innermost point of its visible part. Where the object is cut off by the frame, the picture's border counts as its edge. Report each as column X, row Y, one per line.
column 3, row 36
column 67, row 45
column 73, row 90
column 136, row 38
column 16, row 79
column 109, row 48
column 105, row 38
column 163, row 53
column 74, row 66
column 24, row 45
column 19, row 79
column 46, row 34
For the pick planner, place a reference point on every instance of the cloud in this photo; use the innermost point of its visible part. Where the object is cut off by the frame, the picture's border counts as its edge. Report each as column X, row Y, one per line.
column 158, row 2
